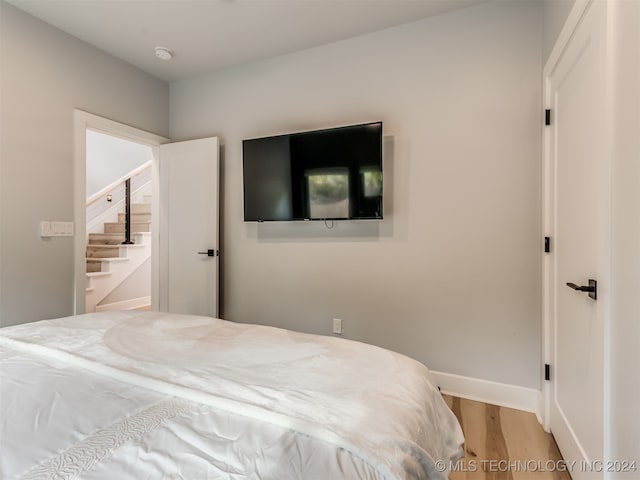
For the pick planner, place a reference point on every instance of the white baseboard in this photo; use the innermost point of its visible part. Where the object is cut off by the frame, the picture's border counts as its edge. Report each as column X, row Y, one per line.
column 495, row 393
column 125, row 304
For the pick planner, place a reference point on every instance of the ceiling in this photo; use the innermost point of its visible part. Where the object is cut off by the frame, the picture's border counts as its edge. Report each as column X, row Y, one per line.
column 207, row 35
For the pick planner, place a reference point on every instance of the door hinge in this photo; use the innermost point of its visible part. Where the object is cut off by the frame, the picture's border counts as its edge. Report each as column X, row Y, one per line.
column 547, row 371
column 547, row 117
column 547, row 244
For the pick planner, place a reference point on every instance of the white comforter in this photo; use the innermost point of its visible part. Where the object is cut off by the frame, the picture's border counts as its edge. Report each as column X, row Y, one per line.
column 144, row 395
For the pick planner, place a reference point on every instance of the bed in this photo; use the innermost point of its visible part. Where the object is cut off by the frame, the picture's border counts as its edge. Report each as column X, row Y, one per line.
column 147, row 395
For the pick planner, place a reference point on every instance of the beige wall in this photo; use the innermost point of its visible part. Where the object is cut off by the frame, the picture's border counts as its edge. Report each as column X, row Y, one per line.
column 451, row 276
column 45, row 74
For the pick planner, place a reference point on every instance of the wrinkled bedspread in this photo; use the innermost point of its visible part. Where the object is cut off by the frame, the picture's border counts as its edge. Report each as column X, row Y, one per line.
column 155, row 395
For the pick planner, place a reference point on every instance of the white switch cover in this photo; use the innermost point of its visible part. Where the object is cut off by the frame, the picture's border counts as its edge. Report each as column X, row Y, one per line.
column 337, row 326
column 45, row 229
column 56, row 229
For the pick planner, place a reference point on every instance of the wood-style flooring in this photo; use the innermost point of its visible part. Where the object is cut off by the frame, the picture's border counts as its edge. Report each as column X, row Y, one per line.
column 504, row 444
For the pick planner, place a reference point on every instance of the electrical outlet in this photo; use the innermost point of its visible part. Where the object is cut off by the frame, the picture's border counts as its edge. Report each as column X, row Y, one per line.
column 337, row 326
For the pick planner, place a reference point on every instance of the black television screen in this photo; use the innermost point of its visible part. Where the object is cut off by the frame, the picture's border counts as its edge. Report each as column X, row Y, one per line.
column 330, row 174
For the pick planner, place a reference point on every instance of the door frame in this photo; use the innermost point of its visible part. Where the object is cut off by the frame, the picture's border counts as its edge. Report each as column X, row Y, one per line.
column 82, row 121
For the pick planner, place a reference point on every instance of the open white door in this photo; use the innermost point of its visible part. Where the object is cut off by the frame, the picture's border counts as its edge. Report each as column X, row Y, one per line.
column 188, row 227
column 577, row 195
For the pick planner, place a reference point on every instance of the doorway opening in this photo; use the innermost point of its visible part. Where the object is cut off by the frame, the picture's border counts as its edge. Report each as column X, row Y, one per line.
column 119, row 189
column 94, row 136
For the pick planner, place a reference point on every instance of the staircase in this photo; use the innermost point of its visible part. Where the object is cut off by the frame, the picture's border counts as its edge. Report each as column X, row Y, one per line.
column 110, row 263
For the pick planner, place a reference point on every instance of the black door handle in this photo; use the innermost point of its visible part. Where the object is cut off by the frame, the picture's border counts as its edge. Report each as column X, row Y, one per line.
column 591, row 289
column 209, row 253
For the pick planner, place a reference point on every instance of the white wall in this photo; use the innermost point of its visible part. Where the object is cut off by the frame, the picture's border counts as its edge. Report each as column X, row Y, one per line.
column 451, row 276
column 45, row 74
column 111, row 158
column 555, row 15
column 137, row 285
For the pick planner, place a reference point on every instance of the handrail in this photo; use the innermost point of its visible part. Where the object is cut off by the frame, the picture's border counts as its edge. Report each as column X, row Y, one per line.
column 101, row 193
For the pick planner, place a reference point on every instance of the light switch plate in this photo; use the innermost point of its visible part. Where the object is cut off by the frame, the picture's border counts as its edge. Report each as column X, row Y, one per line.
column 45, row 229
column 56, row 229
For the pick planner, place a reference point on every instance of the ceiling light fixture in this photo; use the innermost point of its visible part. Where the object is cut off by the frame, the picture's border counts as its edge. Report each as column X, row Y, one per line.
column 163, row 53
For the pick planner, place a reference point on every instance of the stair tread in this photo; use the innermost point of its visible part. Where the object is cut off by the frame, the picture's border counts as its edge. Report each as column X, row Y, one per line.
column 101, row 246
column 92, row 267
column 117, row 234
column 98, row 274
column 112, row 259
column 106, row 238
column 117, row 245
column 143, row 222
column 119, row 228
column 142, row 205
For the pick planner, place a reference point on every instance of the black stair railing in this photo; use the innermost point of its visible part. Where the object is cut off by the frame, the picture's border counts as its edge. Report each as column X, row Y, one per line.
column 127, row 212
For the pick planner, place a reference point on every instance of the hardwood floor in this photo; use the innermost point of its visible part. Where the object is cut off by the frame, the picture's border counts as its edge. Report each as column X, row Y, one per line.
column 504, row 444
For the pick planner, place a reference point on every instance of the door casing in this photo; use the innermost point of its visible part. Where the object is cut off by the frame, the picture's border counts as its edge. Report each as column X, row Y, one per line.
column 83, row 121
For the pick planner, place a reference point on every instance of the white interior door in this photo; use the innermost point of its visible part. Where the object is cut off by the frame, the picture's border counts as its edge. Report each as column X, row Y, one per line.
column 188, row 223
column 578, row 196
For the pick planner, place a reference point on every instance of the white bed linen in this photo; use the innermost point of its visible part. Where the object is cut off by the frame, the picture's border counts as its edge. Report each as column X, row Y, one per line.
column 195, row 397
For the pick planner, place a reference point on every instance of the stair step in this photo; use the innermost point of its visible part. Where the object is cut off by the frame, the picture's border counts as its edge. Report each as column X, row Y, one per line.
column 136, row 217
column 94, row 265
column 101, row 261
column 103, row 251
column 97, row 274
column 89, row 286
column 106, row 238
column 120, row 227
column 141, row 208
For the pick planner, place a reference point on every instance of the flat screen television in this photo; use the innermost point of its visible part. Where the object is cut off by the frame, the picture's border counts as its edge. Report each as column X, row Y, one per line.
column 331, row 174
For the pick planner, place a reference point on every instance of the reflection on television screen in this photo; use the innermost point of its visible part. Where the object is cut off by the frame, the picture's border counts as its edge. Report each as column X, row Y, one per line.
column 372, row 183
column 328, row 195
